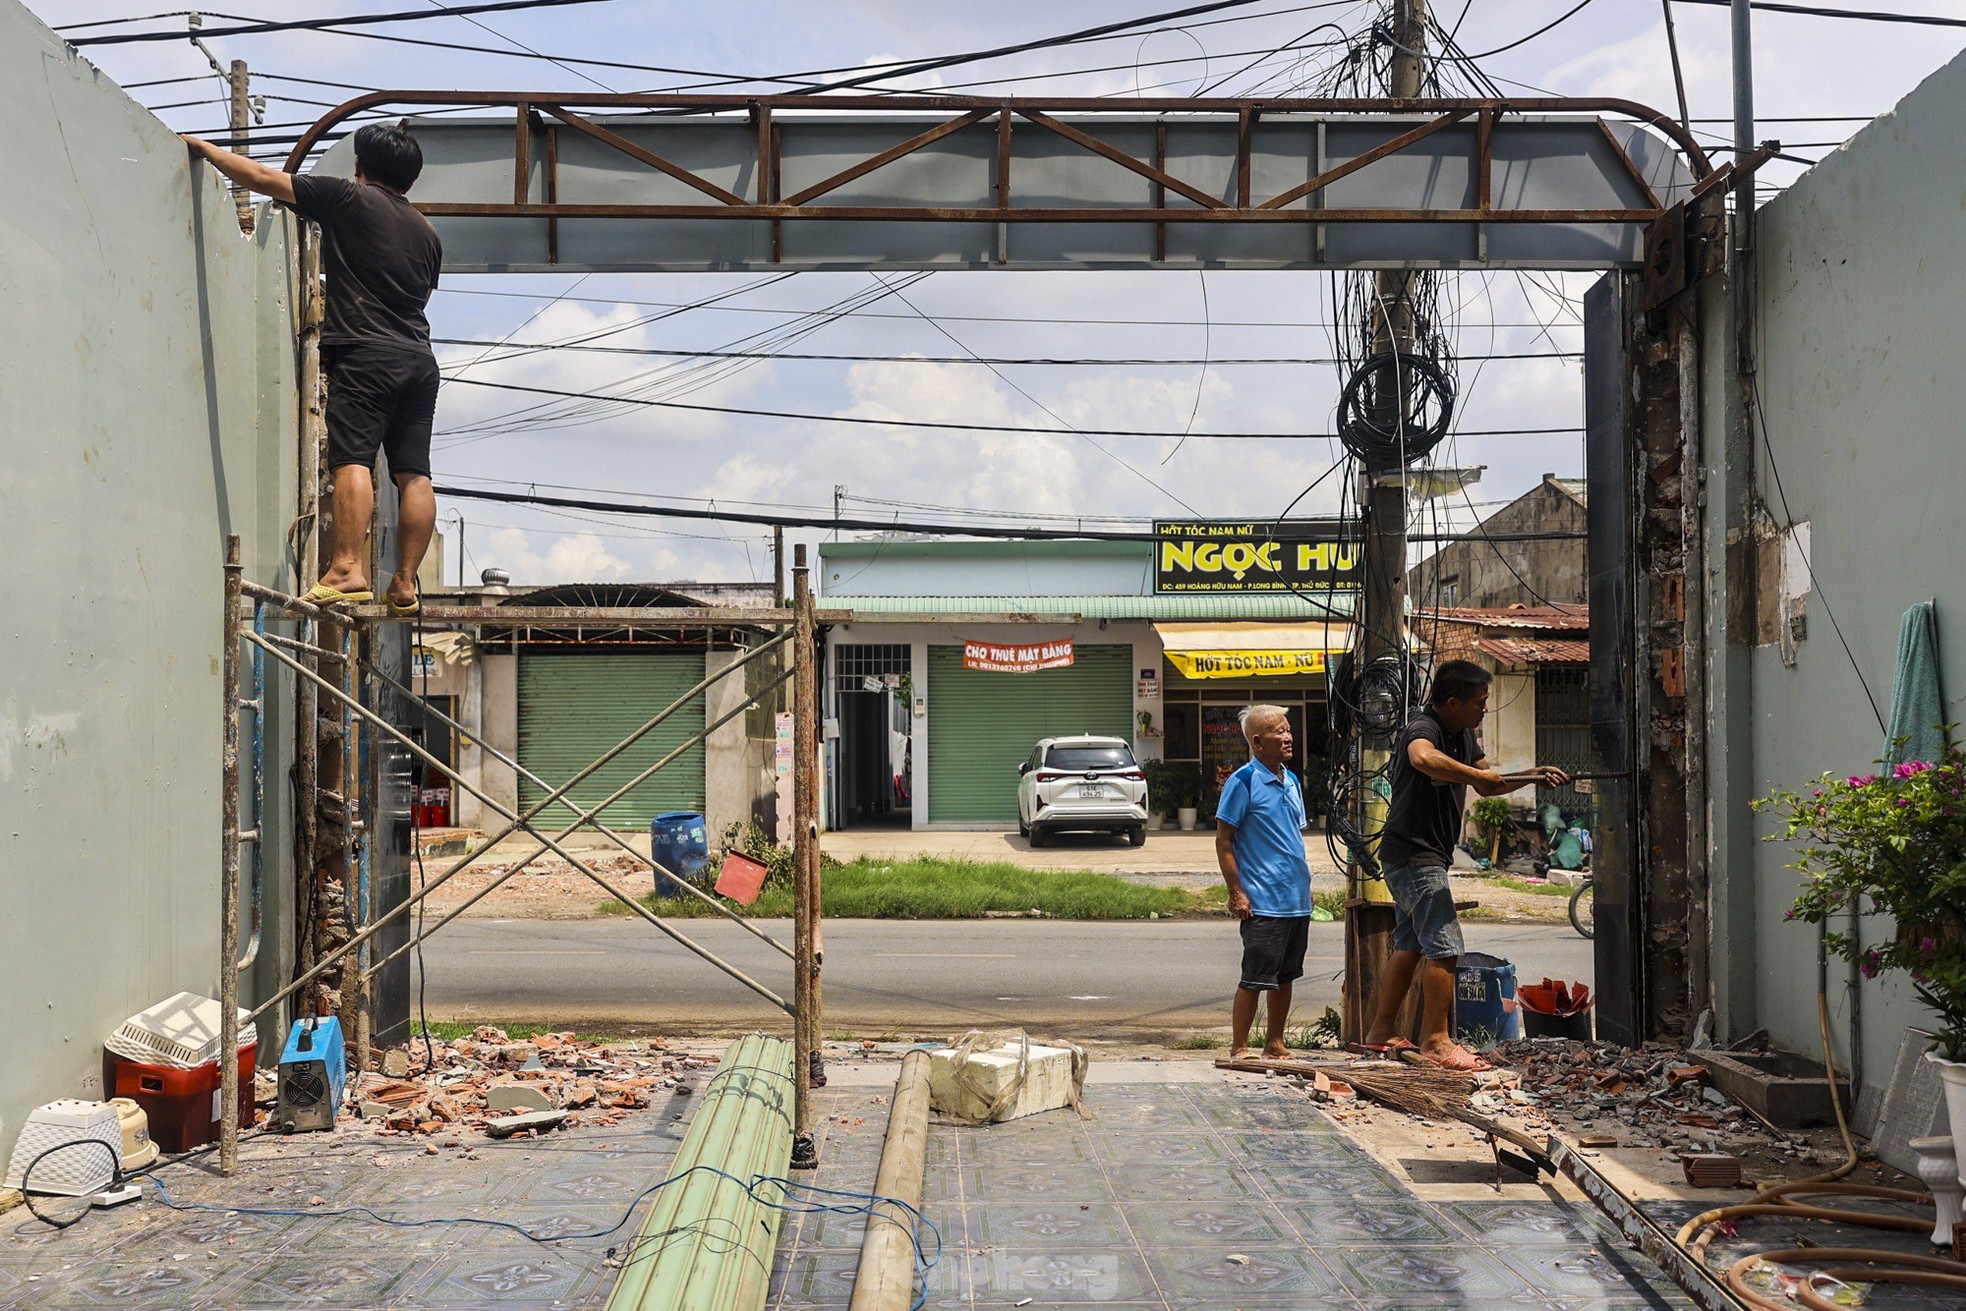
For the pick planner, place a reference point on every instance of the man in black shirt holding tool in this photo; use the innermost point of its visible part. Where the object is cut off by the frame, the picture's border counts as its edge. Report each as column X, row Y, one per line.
column 1435, row 761
column 381, row 258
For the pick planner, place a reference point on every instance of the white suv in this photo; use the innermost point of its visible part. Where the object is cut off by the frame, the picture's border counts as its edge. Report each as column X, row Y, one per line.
column 1090, row 783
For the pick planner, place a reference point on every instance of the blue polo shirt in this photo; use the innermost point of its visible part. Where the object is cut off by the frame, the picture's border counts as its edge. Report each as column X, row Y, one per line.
column 1269, row 819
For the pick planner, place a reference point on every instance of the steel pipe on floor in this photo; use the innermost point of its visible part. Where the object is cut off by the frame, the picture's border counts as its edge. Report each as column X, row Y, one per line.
column 885, row 1280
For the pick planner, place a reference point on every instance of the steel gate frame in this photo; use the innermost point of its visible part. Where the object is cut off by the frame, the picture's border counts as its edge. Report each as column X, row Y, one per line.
column 328, row 637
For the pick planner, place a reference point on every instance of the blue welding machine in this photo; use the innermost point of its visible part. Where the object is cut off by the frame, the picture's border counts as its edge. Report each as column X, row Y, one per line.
column 313, row 1074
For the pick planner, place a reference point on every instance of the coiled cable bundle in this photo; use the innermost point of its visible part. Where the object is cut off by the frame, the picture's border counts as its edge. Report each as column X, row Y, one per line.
column 1395, row 409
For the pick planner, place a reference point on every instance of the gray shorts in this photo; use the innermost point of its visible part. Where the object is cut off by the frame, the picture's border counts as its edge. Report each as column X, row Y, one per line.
column 1423, row 910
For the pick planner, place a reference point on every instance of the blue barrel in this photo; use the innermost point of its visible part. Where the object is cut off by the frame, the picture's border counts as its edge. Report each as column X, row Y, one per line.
column 679, row 843
column 1484, row 998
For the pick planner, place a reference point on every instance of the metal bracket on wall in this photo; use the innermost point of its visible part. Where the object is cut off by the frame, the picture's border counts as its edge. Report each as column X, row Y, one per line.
column 1684, row 245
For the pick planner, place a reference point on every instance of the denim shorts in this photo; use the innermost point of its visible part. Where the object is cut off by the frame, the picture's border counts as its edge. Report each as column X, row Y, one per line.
column 1273, row 949
column 1423, row 910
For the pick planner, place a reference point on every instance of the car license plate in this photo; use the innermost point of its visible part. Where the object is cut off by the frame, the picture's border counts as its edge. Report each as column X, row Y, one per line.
column 1092, row 789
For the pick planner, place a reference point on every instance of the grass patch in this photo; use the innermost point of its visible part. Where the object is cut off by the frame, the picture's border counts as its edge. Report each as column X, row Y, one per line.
column 1198, row 1042
column 931, row 888
column 1534, row 889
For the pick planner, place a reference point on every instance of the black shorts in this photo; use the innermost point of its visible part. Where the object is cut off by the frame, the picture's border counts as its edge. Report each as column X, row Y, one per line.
column 1273, row 950
column 380, row 399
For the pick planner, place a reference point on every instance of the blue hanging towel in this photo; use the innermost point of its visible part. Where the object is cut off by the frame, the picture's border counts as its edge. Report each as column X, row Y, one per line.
column 1917, row 704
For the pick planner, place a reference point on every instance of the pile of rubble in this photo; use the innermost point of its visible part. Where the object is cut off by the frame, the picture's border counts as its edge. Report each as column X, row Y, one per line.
column 494, row 1084
column 1604, row 1095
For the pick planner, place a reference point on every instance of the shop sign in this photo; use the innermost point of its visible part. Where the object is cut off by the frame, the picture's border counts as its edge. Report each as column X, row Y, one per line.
column 1028, row 658
column 1262, row 556
column 1246, row 664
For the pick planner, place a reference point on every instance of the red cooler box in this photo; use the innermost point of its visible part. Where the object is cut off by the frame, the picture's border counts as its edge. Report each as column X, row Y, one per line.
column 183, row 1105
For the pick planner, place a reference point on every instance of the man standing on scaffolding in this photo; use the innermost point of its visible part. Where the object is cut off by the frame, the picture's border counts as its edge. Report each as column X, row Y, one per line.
column 381, row 258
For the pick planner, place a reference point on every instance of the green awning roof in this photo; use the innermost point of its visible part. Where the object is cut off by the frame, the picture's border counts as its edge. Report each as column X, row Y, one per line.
column 1268, row 605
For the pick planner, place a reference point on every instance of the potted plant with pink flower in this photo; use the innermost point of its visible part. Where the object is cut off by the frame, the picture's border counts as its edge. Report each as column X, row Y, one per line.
column 1893, row 845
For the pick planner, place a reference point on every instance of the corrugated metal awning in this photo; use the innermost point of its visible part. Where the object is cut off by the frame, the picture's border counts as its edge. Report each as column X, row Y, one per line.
column 1246, row 650
column 1184, row 606
column 1535, row 651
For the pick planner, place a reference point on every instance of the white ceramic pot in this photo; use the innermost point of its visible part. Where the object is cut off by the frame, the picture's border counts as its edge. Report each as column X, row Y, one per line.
column 1952, row 1077
column 1155, row 820
column 1185, row 816
column 1938, row 1167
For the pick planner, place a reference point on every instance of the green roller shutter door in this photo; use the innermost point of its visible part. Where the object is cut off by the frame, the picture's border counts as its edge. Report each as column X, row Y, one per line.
column 982, row 726
column 573, row 708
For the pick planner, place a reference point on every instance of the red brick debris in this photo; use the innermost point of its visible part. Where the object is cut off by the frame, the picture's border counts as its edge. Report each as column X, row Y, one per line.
column 596, row 1083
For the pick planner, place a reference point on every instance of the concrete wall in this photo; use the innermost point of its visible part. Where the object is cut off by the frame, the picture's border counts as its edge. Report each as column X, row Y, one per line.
column 1484, row 574
column 146, row 361
column 1509, row 735
column 1860, row 275
column 738, row 780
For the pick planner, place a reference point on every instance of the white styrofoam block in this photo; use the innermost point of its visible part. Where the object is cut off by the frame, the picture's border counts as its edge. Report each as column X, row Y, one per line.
column 985, row 1075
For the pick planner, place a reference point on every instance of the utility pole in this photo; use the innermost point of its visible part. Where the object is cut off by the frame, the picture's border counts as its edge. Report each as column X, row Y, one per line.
column 1382, row 604
column 241, row 106
column 778, row 566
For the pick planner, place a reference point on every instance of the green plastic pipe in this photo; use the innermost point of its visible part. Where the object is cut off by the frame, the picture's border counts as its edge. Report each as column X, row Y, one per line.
column 707, row 1244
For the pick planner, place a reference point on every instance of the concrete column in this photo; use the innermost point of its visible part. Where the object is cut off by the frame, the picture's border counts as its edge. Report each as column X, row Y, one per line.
column 498, row 722
column 727, row 769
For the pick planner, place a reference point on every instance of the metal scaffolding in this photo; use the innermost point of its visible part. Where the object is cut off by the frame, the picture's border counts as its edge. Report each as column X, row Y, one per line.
column 327, row 656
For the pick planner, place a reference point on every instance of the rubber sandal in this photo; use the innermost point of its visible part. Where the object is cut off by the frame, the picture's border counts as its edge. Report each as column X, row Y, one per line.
column 322, row 594
column 1459, row 1060
column 1390, row 1047
column 410, row 611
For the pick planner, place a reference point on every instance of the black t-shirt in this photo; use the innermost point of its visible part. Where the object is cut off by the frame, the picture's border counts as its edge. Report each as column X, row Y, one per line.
column 381, row 258
column 1424, row 817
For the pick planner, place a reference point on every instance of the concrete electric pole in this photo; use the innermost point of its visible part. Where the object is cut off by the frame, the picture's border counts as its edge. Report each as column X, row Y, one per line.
column 1382, row 602
column 241, row 106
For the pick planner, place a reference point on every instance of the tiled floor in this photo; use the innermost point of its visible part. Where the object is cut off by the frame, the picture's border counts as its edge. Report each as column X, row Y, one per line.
column 1203, row 1195
column 1172, row 1195
column 147, row 1256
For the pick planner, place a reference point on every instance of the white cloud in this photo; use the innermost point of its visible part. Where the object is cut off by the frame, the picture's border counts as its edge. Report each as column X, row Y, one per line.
column 577, row 557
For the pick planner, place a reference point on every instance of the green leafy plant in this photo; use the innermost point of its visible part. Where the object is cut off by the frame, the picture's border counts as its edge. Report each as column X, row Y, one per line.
column 1494, row 818
column 1198, row 1042
column 1890, row 844
column 1163, row 785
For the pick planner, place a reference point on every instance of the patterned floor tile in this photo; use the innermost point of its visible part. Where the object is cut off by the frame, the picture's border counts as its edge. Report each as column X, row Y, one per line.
column 1424, row 1270
column 1180, row 1183
column 1149, row 1147
column 1266, row 1147
column 1264, row 1275
column 1393, row 1221
column 1014, row 1183
column 1330, row 1183
column 1265, row 1113
column 1605, row 1269
column 1061, row 1277
column 524, row 1275
column 334, row 1279
column 1146, row 1115
column 1537, row 1224
column 1206, row 1224
column 1044, row 1227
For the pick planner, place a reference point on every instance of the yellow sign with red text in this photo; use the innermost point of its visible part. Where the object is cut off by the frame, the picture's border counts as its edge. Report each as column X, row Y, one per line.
column 1246, row 664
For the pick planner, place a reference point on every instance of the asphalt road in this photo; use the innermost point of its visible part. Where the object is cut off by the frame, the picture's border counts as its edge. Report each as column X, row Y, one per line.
column 1096, row 980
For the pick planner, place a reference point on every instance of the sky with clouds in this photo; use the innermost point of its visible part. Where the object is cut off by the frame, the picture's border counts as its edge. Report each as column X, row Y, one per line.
column 1813, row 68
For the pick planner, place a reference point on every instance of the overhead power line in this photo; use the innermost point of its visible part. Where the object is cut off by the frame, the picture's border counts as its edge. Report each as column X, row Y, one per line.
column 521, row 348
column 954, row 427
column 1823, row 11
column 822, row 520
column 345, row 20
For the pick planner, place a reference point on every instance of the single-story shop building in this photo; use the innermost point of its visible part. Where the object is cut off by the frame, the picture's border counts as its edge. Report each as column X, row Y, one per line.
column 962, row 655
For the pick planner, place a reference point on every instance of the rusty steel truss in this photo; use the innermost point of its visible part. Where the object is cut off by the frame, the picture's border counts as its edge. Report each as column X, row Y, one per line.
column 741, row 174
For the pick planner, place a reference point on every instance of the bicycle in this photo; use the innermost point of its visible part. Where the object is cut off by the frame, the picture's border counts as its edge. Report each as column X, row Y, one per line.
column 1582, row 903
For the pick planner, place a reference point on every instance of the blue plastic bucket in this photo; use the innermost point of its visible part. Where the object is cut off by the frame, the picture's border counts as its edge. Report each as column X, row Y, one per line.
column 1484, row 997
column 679, row 843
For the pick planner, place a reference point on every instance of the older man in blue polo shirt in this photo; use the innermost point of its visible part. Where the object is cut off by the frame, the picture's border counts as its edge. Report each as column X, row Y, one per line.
column 1259, row 843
